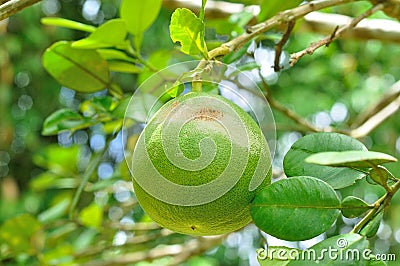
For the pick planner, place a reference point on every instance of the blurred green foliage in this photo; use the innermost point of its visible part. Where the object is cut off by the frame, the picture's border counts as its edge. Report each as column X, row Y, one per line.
column 54, row 137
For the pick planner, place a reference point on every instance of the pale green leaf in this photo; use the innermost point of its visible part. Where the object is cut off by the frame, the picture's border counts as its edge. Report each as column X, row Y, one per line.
column 351, row 159
column 66, row 23
column 91, row 216
column 188, row 29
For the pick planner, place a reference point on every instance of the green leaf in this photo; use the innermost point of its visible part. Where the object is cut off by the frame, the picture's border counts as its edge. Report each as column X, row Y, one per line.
column 110, row 34
column 58, row 159
column 380, row 175
column 124, row 67
column 55, row 212
column 354, row 207
column 203, row 9
column 294, row 164
column 338, row 250
column 91, row 216
column 19, row 233
column 78, row 69
column 361, row 159
column 371, row 228
column 64, row 120
column 66, row 23
column 188, row 29
column 236, row 55
column 139, row 15
column 269, row 8
column 296, row 208
column 111, row 54
column 176, row 90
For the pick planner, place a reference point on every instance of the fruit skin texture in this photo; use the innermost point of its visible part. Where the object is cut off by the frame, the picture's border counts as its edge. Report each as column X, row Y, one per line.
column 225, row 214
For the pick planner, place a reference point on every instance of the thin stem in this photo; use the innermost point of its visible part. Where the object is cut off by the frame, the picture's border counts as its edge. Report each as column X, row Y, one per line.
column 85, row 179
column 338, row 32
column 380, row 204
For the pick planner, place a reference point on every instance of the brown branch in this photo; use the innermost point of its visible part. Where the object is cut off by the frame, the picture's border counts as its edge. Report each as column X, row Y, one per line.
column 336, row 34
column 383, row 112
column 11, row 7
column 288, row 112
column 281, row 43
column 188, row 249
column 387, row 98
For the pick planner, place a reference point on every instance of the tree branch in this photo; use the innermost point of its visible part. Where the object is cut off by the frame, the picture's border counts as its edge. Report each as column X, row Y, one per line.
column 378, row 114
column 186, row 250
column 338, row 32
column 8, row 8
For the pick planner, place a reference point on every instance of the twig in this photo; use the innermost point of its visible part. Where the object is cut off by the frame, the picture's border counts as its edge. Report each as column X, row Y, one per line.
column 11, row 7
column 281, row 43
column 380, row 204
column 336, row 34
column 376, row 120
column 317, row 22
column 192, row 247
column 286, row 111
column 85, row 179
column 388, row 98
column 276, row 20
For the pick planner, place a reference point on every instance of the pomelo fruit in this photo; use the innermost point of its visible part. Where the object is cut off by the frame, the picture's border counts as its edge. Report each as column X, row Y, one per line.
column 199, row 163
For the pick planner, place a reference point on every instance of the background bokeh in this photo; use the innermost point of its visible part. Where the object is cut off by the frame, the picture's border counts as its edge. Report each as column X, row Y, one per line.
column 39, row 175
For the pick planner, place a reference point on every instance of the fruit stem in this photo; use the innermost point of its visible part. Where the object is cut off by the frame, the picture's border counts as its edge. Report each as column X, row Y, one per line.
column 197, row 86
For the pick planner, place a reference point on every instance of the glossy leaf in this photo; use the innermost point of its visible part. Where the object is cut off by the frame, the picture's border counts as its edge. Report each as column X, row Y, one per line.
column 296, row 208
column 78, row 69
column 354, row 207
column 19, row 232
column 294, row 164
column 64, row 120
column 351, row 246
column 361, row 159
column 188, row 29
column 110, row 34
column 269, row 8
column 66, row 23
column 371, row 228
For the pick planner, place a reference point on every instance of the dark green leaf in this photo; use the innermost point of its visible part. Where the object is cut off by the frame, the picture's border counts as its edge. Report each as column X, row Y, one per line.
column 371, row 228
column 77, row 69
column 296, row 208
column 294, row 164
column 234, row 56
column 354, row 207
column 110, row 34
column 18, row 233
column 188, row 29
column 66, row 23
column 344, row 249
column 63, row 120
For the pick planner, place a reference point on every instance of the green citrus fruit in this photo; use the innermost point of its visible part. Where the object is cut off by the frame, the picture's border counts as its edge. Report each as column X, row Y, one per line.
column 199, row 163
